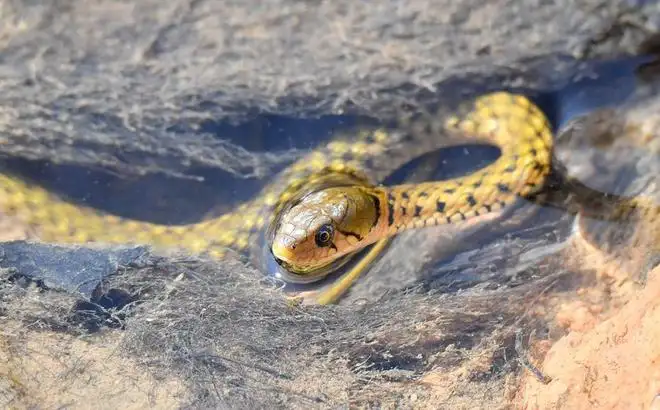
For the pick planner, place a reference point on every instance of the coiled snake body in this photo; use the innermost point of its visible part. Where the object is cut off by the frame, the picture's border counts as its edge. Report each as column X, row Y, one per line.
column 327, row 205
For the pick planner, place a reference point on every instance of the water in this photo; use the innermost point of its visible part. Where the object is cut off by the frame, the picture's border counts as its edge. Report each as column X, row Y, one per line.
column 165, row 199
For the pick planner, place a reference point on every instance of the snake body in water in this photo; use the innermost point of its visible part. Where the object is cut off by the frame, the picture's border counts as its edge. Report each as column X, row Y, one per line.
column 328, row 205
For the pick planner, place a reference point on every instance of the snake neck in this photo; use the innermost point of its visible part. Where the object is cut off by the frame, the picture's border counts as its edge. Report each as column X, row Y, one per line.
column 525, row 139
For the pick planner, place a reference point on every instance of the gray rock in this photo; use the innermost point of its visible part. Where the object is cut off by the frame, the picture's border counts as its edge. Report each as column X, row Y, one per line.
column 82, row 81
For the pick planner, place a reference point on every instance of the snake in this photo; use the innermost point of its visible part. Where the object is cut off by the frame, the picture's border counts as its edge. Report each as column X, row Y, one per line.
column 328, row 205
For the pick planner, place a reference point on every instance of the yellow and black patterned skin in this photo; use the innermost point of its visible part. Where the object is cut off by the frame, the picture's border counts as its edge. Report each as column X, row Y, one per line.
column 354, row 164
column 329, row 224
column 329, row 204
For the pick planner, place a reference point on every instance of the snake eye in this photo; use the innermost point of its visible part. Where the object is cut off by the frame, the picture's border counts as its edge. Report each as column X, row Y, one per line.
column 323, row 236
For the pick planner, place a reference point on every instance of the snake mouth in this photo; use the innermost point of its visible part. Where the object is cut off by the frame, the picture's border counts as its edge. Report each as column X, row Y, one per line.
column 282, row 254
column 293, row 273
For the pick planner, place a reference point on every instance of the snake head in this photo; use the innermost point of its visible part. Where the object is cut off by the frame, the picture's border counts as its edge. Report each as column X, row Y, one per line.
column 323, row 229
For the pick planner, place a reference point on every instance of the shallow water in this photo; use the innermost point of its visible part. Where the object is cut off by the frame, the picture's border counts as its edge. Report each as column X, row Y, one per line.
column 171, row 200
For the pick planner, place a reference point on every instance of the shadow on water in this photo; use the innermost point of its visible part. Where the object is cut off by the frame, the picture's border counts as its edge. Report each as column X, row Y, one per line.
column 171, row 200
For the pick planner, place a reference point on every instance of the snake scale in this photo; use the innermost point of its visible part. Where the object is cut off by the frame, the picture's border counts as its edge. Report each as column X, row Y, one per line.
column 327, row 205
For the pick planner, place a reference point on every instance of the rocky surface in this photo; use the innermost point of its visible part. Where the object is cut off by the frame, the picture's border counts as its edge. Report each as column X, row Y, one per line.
column 82, row 81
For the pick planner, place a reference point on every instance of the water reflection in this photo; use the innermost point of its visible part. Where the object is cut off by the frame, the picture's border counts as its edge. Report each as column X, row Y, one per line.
column 165, row 199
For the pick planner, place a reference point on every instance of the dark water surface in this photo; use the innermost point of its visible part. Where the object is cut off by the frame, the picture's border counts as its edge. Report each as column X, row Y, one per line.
column 164, row 199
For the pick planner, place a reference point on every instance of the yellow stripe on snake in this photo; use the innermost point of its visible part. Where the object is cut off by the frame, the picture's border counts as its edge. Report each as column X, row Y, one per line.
column 328, row 205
